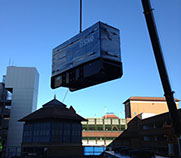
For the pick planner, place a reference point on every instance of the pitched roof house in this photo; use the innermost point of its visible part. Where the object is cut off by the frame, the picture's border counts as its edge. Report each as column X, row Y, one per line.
column 53, row 130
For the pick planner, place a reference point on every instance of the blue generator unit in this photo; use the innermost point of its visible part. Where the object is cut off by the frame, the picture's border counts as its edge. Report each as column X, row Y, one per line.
column 89, row 58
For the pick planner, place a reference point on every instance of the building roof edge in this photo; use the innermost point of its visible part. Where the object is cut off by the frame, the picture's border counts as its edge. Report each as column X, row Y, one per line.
column 147, row 99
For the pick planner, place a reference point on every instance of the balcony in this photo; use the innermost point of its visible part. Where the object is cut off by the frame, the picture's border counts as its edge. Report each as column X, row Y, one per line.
column 7, row 102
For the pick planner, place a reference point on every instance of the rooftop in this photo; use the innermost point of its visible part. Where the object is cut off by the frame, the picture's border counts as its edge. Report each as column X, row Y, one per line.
column 54, row 109
column 109, row 115
column 148, row 99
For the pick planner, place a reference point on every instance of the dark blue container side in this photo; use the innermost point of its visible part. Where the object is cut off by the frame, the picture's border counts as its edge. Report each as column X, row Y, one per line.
column 98, row 41
column 79, row 49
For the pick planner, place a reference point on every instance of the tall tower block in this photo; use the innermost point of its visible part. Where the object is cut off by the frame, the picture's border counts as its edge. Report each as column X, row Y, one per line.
column 23, row 83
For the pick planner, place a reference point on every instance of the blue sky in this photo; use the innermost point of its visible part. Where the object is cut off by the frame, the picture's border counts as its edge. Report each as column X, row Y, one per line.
column 30, row 29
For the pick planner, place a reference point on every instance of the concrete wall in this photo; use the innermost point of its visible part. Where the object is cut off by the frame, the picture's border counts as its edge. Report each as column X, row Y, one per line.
column 24, row 84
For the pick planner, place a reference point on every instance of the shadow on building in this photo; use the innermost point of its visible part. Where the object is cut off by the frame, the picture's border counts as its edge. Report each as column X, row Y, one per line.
column 153, row 135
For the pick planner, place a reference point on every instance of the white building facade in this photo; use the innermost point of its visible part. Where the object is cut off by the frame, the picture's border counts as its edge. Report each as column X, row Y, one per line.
column 23, row 82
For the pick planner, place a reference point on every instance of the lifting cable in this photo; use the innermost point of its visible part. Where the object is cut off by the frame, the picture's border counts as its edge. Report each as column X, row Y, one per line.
column 80, row 16
column 80, row 32
column 65, row 95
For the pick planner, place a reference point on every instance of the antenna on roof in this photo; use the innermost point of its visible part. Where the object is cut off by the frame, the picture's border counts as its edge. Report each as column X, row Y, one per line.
column 54, row 96
column 105, row 112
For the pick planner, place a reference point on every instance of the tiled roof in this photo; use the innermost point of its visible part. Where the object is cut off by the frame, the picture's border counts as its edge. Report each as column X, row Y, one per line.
column 148, row 99
column 100, row 134
column 109, row 116
column 54, row 110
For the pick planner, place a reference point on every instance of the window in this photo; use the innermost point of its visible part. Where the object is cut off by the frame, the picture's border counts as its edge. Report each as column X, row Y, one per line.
column 36, row 139
column 76, row 133
column 99, row 127
column 56, row 132
column 67, row 129
column 92, row 127
column 108, row 127
column 41, row 132
column 84, row 122
column 27, row 133
column 84, row 127
column 115, row 127
column 99, row 121
column 35, row 132
column 107, row 121
column 115, row 121
column 123, row 121
column 92, row 138
column 123, row 127
column 91, row 121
